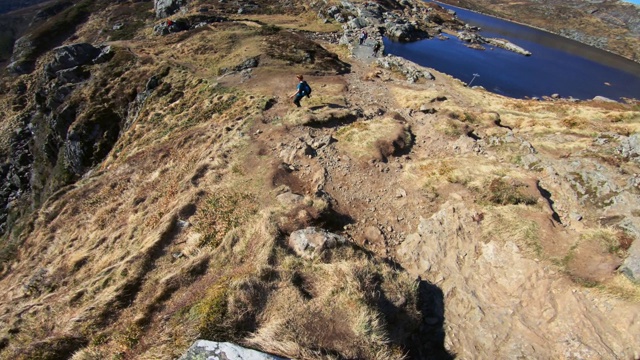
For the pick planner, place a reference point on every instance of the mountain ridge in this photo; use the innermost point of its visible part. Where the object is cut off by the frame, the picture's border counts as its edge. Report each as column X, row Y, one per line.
column 161, row 187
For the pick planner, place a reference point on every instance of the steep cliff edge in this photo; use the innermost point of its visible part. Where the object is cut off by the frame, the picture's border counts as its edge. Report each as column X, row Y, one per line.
column 397, row 214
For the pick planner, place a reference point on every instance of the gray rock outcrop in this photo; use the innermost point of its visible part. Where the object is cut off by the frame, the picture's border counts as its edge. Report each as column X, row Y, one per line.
column 603, row 99
column 490, row 282
column 631, row 265
column 311, row 242
column 21, row 61
column 212, row 350
column 165, row 8
column 630, row 147
column 399, row 31
column 69, row 56
column 477, row 39
column 411, row 72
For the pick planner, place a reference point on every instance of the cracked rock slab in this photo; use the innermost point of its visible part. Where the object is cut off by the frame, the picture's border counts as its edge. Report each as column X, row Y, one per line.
column 211, row 350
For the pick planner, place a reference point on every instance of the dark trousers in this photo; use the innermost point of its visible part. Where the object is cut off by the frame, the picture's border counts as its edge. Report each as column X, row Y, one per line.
column 297, row 99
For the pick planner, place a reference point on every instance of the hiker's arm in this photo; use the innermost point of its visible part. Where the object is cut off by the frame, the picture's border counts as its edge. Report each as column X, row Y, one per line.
column 294, row 94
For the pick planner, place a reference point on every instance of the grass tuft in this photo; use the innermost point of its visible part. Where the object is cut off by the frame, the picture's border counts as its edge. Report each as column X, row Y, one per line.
column 501, row 192
column 221, row 213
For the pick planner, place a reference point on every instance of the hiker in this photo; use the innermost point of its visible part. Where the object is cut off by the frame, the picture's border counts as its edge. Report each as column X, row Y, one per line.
column 302, row 90
column 170, row 25
column 376, row 48
column 362, row 37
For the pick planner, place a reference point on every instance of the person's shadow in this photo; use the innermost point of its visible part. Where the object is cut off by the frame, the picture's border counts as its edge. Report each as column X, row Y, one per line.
column 429, row 342
column 421, row 336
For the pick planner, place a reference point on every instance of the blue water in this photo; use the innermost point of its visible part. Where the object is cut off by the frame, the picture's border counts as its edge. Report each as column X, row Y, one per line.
column 558, row 65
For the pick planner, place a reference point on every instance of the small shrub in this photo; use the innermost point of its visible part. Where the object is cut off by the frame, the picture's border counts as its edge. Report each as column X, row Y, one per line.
column 624, row 241
column 129, row 337
column 269, row 29
column 469, row 117
column 500, row 192
column 211, row 312
column 453, row 128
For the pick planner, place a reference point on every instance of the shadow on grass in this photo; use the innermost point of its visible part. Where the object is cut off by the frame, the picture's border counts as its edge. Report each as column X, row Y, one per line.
column 327, row 106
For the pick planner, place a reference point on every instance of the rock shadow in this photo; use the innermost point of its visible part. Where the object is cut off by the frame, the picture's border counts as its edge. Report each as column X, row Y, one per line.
column 473, row 135
column 327, row 106
column 498, row 122
column 547, row 196
column 333, row 220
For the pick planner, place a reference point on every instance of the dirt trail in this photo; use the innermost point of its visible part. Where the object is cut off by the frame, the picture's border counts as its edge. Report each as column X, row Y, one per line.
column 364, row 52
column 499, row 299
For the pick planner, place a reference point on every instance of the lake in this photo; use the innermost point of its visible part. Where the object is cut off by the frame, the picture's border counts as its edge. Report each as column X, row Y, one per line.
column 558, row 65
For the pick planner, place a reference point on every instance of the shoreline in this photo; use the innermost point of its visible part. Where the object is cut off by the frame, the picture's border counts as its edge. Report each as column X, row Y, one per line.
column 590, row 51
column 532, row 27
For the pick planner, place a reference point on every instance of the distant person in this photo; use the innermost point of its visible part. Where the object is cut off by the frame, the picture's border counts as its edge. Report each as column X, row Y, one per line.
column 302, row 90
column 362, row 37
column 376, row 48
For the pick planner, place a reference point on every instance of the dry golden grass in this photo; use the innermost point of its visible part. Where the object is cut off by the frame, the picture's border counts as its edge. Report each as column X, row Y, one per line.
column 510, row 223
column 308, row 327
column 375, row 139
column 305, row 22
column 456, row 170
column 176, row 236
column 622, row 288
column 413, row 98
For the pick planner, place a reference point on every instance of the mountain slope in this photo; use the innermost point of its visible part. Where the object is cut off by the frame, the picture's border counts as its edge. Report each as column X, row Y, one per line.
column 470, row 224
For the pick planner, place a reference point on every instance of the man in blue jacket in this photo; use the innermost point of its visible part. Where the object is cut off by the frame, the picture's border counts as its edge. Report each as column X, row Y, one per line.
column 302, row 90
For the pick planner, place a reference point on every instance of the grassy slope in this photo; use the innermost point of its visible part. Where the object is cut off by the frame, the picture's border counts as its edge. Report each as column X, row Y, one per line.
column 177, row 234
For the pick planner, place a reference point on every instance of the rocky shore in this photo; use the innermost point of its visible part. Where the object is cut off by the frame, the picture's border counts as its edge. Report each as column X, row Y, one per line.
column 413, row 21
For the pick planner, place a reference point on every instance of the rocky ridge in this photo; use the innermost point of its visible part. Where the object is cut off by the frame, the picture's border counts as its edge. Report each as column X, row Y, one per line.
column 427, row 214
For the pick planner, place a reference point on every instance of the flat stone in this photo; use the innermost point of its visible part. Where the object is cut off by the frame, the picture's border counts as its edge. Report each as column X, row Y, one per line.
column 310, row 242
column 211, row 350
column 290, row 199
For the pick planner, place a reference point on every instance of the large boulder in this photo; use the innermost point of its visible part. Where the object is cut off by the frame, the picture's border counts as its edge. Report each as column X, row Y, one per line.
column 357, row 23
column 21, row 60
column 212, row 350
column 311, row 242
column 91, row 138
column 407, row 68
column 630, row 147
column 69, row 56
column 165, row 8
column 73, row 75
column 400, row 32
